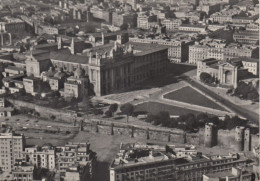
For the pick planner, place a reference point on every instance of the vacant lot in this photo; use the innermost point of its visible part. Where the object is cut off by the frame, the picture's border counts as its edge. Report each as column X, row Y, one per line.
column 190, row 95
column 155, row 107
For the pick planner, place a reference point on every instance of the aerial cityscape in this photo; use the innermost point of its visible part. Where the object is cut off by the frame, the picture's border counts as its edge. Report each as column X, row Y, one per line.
column 129, row 90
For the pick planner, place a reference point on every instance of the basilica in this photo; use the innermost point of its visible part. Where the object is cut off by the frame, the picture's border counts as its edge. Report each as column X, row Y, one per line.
column 73, row 69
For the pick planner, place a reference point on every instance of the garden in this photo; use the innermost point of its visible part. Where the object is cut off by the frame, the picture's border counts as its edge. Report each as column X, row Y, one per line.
column 191, row 96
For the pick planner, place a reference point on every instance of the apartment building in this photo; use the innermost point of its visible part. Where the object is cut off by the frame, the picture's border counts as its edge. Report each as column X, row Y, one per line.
column 192, row 28
column 22, row 171
column 225, row 16
column 176, row 49
column 102, row 14
column 236, row 174
column 158, row 163
column 43, row 157
column 119, row 19
column 11, row 148
column 78, row 157
column 246, row 37
column 171, row 24
column 146, row 22
column 218, row 49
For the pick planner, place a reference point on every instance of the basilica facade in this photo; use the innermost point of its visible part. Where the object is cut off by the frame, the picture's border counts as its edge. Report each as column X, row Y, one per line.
column 109, row 68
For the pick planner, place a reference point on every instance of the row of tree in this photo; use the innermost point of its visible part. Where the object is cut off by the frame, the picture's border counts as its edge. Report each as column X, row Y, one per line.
column 126, row 109
column 190, row 122
column 208, row 79
column 246, row 91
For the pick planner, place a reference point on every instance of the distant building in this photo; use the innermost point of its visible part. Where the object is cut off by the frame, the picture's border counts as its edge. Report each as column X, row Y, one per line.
column 192, row 28
column 12, row 25
column 171, row 24
column 64, row 4
column 35, row 64
column 77, row 85
column 238, row 20
column 218, row 49
column 42, row 157
column 246, row 37
column 102, row 14
column 209, row 8
column 13, row 70
column 47, row 30
column 224, row 16
column 251, row 64
column 235, row 174
column 146, row 22
column 30, row 84
column 4, row 110
column 22, row 171
column 252, row 27
column 12, row 146
column 78, row 157
column 119, row 19
column 177, row 50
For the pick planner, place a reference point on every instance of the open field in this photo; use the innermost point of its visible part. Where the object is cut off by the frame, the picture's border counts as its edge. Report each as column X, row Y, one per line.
column 190, row 95
column 155, row 107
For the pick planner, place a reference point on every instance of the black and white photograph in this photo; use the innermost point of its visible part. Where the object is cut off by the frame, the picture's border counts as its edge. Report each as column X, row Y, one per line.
column 129, row 90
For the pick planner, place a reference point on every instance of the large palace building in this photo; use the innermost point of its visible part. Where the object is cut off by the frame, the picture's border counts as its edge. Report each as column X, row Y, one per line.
column 110, row 67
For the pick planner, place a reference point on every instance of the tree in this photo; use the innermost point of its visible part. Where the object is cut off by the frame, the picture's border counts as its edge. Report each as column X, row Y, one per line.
column 124, row 27
column 127, row 109
column 108, row 113
column 173, row 123
column 206, row 78
column 150, row 118
column 163, row 118
column 113, row 108
column 97, row 111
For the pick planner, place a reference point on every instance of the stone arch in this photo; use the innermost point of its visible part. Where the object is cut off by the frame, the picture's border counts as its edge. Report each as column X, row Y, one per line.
column 228, row 77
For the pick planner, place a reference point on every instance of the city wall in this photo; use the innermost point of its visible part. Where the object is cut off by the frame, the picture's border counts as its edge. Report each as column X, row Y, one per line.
column 226, row 138
column 45, row 112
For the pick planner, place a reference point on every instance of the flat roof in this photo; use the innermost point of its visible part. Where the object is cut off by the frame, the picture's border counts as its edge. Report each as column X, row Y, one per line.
column 15, row 68
column 247, row 59
column 69, row 58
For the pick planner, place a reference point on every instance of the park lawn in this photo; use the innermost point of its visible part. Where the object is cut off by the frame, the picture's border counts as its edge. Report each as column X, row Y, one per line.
column 190, row 95
column 155, row 107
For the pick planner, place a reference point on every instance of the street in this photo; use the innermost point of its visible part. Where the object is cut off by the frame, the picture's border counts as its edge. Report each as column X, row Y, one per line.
column 251, row 116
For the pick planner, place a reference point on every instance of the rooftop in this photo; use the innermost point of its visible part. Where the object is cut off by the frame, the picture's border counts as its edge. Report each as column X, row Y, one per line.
column 78, row 59
column 14, row 68
column 246, row 59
